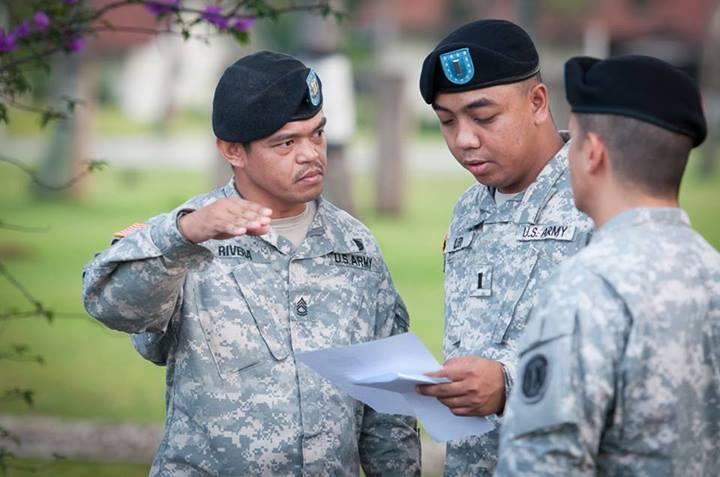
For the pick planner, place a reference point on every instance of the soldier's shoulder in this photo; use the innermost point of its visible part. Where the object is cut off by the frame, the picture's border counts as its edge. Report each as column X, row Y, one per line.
column 470, row 197
column 561, row 206
column 349, row 229
column 194, row 203
column 204, row 199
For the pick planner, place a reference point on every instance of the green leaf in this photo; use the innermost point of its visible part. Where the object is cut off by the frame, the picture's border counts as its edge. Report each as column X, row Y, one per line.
column 20, row 348
column 241, row 37
column 27, row 396
column 50, row 115
column 96, row 165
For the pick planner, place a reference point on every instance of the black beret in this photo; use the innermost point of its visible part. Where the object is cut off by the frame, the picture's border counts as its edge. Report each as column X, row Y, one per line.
column 261, row 92
column 480, row 54
column 640, row 87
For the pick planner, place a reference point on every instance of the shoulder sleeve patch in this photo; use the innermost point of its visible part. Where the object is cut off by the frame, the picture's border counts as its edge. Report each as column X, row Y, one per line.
column 128, row 230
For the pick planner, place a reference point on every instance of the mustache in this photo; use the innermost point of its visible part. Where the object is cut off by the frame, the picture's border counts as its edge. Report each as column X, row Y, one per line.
column 317, row 168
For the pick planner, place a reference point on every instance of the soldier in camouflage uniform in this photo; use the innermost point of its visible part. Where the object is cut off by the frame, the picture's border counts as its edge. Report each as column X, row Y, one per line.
column 216, row 293
column 509, row 231
column 620, row 362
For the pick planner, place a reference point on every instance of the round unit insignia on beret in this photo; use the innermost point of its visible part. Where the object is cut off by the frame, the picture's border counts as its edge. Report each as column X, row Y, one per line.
column 480, row 54
column 313, row 88
column 260, row 93
column 535, row 378
column 636, row 86
column 458, row 66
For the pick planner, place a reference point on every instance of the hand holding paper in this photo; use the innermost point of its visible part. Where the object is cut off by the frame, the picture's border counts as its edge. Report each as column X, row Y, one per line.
column 383, row 374
column 477, row 386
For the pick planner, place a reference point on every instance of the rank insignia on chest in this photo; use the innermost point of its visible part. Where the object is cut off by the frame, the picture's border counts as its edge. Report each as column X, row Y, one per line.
column 301, row 307
column 564, row 233
column 482, row 282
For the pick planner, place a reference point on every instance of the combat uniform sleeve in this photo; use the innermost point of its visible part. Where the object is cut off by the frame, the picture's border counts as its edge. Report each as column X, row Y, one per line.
column 136, row 285
column 569, row 358
column 389, row 444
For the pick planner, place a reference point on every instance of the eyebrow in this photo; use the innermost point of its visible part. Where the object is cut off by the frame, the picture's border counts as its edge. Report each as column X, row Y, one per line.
column 478, row 103
column 286, row 137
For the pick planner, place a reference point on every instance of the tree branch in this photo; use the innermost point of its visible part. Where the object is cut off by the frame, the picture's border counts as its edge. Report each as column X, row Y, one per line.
column 39, row 307
column 92, row 165
column 22, row 228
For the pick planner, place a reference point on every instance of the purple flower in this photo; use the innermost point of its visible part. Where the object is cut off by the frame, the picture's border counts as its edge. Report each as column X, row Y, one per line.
column 75, row 44
column 213, row 15
column 41, row 20
column 7, row 41
column 70, row 2
column 243, row 24
column 159, row 7
column 23, row 29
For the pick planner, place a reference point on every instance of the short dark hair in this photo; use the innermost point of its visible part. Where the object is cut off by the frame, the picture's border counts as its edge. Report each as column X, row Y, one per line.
column 528, row 83
column 641, row 153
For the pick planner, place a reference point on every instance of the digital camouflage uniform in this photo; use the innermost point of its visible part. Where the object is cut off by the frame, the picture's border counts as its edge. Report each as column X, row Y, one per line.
column 227, row 317
column 620, row 363
column 496, row 258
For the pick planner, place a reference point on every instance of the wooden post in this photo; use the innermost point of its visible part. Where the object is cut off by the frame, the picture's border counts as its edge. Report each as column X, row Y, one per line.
column 392, row 126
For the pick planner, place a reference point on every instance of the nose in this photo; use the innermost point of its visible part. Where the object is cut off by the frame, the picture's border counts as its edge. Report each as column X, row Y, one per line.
column 466, row 137
column 308, row 152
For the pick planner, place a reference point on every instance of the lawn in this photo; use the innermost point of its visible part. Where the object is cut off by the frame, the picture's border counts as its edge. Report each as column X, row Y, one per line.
column 93, row 373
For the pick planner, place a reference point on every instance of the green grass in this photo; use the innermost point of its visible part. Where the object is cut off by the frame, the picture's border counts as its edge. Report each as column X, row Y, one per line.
column 93, row 373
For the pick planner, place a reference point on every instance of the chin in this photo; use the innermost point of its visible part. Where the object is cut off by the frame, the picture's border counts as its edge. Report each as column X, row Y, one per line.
column 310, row 195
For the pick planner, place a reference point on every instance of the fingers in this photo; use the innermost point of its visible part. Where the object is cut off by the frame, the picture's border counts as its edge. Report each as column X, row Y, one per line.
column 237, row 217
column 260, row 230
column 441, row 373
column 442, row 390
column 467, row 411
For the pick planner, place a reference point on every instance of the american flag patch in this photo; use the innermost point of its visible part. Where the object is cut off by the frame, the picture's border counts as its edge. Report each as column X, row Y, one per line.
column 128, row 230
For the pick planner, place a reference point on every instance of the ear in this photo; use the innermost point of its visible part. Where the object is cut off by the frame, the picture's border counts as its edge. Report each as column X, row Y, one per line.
column 597, row 154
column 540, row 106
column 232, row 152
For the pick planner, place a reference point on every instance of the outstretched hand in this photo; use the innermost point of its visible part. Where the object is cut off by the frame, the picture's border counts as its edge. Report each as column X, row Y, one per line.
column 224, row 219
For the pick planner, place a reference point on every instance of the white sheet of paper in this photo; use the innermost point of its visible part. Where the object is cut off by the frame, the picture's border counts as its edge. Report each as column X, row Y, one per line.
column 383, row 374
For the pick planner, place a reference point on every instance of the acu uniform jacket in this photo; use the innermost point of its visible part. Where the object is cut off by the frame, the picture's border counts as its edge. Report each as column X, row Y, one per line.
column 227, row 317
column 496, row 259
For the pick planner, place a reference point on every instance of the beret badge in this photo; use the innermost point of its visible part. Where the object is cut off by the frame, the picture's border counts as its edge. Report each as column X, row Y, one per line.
column 458, row 66
column 313, row 88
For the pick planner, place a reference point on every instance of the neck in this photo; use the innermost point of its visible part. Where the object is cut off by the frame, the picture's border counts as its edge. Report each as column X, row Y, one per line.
column 621, row 198
column 547, row 145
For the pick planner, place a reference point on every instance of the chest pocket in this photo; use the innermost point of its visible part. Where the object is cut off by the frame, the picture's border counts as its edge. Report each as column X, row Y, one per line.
column 516, row 287
column 239, row 312
column 339, row 300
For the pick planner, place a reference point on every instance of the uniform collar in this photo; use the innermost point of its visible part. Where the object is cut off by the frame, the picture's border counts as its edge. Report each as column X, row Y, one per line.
column 325, row 235
column 644, row 215
column 539, row 193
